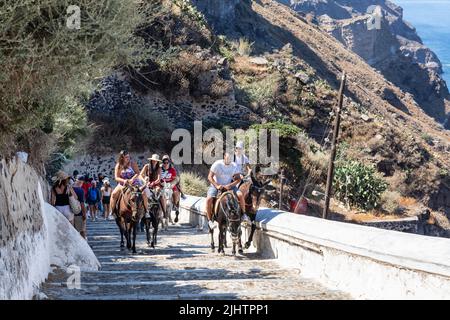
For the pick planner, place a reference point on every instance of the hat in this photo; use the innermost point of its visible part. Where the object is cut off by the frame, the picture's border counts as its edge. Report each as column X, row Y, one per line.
column 60, row 176
column 106, row 180
column 240, row 145
column 166, row 157
column 155, row 157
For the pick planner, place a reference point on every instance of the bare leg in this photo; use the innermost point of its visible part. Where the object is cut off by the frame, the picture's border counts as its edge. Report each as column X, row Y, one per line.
column 241, row 201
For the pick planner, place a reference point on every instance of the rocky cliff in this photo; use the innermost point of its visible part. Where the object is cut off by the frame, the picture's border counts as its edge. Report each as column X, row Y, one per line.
column 393, row 46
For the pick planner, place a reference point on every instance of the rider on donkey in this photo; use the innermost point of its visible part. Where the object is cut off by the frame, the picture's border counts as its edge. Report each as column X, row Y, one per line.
column 126, row 173
column 169, row 174
column 243, row 166
column 152, row 172
column 223, row 175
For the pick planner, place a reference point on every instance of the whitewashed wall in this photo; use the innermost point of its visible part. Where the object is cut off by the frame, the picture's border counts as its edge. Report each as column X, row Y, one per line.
column 366, row 262
column 33, row 235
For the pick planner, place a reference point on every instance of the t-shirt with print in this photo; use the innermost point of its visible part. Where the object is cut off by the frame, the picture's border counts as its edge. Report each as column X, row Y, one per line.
column 223, row 174
column 168, row 175
column 241, row 163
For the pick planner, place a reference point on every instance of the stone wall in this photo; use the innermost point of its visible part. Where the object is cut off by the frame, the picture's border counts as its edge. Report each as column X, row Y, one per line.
column 116, row 97
column 403, row 225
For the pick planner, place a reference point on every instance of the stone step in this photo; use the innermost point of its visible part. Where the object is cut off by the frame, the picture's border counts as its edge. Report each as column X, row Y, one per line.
column 238, row 287
column 247, row 295
column 250, row 265
column 179, row 275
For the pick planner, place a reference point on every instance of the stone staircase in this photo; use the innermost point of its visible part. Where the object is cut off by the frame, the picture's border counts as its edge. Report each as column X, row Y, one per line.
column 182, row 266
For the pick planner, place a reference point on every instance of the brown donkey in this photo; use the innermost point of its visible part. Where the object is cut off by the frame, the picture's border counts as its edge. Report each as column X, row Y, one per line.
column 129, row 210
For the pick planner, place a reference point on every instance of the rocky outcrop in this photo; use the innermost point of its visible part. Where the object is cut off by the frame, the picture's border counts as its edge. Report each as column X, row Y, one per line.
column 393, row 47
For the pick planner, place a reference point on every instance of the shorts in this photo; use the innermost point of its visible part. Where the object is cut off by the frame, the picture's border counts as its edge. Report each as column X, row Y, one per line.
column 212, row 191
column 66, row 211
column 79, row 224
column 106, row 199
column 92, row 203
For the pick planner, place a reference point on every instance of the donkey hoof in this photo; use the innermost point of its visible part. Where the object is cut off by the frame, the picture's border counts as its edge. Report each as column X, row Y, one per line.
column 247, row 245
column 240, row 251
column 122, row 244
column 176, row 219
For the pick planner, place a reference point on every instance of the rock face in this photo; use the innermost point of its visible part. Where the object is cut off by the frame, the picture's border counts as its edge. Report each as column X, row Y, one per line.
column 392, row 46
column 222, row 12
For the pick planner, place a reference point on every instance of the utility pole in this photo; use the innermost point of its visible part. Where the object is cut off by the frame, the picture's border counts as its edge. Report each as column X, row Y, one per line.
column 281, row 188
column 337, row 122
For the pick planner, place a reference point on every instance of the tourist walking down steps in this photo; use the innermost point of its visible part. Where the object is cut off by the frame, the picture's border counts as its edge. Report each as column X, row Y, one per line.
column 61, row 191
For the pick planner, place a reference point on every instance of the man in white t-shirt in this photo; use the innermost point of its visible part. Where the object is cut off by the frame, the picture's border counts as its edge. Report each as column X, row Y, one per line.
column 223, row 174
column 243, row 165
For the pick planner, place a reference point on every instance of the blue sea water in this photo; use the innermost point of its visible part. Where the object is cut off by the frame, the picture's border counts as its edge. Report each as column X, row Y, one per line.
column 431, row 18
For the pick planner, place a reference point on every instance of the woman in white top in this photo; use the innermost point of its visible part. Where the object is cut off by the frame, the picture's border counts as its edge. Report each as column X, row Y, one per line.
column 106, row 191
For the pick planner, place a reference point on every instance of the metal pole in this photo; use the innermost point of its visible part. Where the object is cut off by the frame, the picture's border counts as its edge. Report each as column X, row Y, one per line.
column 281, row 188
column 337, row 122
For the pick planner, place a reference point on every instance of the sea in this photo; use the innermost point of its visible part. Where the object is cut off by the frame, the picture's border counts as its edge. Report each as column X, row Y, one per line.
column 431, row 18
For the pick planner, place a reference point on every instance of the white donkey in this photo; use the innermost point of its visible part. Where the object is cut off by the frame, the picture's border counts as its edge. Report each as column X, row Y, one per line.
column 168, row 204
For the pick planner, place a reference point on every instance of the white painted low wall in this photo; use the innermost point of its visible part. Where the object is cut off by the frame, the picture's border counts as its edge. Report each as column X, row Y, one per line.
column 366, row 262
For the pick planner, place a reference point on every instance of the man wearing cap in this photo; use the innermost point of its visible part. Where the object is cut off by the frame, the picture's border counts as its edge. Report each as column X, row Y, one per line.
column 243, row 166
column 223, row 175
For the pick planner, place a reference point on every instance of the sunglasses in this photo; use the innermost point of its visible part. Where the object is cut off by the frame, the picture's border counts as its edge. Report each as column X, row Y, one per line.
column 165, row 161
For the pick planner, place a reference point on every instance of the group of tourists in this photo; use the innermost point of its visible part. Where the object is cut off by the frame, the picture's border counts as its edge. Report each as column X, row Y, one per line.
column 94, row 197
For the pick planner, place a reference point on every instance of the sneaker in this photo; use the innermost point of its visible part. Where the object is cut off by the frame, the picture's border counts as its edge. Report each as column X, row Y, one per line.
column 110, row 217
column 211, row 224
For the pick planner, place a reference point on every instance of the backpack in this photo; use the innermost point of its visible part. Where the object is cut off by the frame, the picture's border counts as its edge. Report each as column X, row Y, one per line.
column 92, row 194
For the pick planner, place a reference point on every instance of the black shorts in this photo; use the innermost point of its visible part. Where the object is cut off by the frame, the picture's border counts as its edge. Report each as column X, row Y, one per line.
column 106, row 199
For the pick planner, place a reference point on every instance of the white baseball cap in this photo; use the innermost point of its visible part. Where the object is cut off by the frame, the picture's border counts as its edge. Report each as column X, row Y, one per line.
column 240, row 145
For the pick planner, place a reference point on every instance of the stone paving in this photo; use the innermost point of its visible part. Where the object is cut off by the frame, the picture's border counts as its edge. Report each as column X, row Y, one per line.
column 182, row 266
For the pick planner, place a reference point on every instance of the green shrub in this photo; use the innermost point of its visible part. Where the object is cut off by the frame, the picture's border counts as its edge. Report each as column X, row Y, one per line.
column 191, row 12
column 192, row 184
column 251, row 91
column 43, row 61
column 286, row 130
column 358, row 185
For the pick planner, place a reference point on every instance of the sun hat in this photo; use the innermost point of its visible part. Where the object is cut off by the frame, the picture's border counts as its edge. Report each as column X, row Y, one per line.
column 166, row 157
column 60, row 176
column 155, row 157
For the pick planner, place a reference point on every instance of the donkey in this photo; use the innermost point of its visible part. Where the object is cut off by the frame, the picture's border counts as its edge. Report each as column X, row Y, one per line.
column 168, row 204
column 228, row 216
column 153, row 218
column 130, row 208
column 253, row 190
